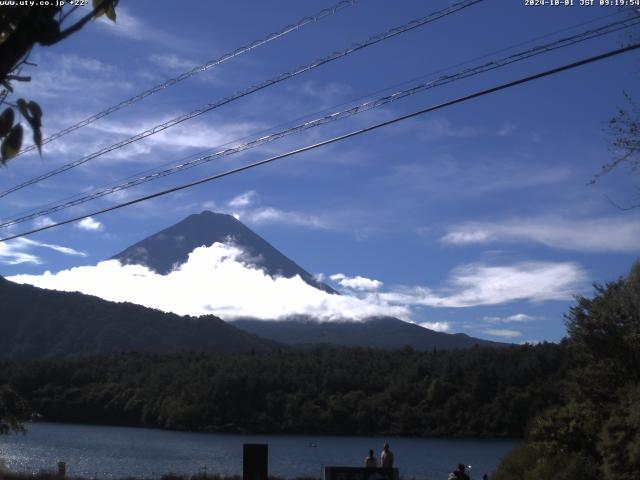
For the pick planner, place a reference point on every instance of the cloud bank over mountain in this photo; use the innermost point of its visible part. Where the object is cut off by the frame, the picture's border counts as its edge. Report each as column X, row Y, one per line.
column 214, row 280
column 217, row 280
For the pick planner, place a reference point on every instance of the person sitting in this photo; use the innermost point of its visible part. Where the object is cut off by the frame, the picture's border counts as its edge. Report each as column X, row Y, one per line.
column 459, row 473
column 370, row 461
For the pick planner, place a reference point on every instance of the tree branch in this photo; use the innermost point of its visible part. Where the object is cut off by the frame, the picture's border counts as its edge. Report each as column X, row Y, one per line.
column 18, row 78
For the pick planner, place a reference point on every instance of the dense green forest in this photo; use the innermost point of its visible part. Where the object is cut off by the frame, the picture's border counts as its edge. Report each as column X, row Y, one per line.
column 38, row 323
column 479, row 391
column 594, row 433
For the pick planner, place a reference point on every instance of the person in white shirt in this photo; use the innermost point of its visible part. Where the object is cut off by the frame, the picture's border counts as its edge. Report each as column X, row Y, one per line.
column 386, row 457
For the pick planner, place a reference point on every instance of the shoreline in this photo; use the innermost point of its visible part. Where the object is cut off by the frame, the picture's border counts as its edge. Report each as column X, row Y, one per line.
column 276, row 434
column 52, row 475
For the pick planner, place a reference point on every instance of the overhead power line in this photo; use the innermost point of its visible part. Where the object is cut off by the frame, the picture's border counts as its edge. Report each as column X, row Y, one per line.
column 243, row 93
column 199, row 69
column 339, row 138
column 338, row 115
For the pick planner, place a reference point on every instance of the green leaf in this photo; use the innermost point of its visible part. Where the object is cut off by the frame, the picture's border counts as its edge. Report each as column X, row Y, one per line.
column 35, row 123
column 105, row 7
column 96, row 4
column 34, row 108
column 37, row 139
column 6, row 121
column 22, row 106
column 111, row 13
column 11, row 145
column 32, row 113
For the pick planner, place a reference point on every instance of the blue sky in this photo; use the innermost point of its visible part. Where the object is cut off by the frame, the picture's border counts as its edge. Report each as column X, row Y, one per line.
column 476, row 219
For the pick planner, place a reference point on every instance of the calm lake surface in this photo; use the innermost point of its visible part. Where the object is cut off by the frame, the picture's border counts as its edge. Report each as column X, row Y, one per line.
column 116, row 452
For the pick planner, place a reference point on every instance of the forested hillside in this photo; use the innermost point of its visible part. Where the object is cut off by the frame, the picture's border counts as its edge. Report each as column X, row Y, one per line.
column 479, row 391
column 594, row 433
column 40, row 323
column 377, row 332
column 37, row 323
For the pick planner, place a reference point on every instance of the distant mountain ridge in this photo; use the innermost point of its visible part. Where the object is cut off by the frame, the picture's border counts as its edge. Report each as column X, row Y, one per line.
column 39, row 323
column 387, row 333
column 165, row 250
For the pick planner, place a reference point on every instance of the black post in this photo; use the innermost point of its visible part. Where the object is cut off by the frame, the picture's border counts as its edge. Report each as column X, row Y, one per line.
column 255, row 461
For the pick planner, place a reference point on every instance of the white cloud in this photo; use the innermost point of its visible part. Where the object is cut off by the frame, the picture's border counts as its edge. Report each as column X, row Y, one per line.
column 127, row 25
column 246, row 206
column 466, row 237
column 43, row 222
column 217, row 280
column 182, row 142
column 58, row 248
column 356, row 283
column 194, row 134
column 506, row 128
column 15, row 252
column 518, row 317
column 63, row 75
column 332, row 90
column 12, row 255
column 445, row 176
column 243, row 200
column 172, row 62
column 436, row 326
column 503, row 332
column 70, row 61
column 270, row 215
column 437, row 128
column 589, row 235
column 326, row 94
column 130, row 26
column 213, row 281
column 477, row 284
column 90, row 225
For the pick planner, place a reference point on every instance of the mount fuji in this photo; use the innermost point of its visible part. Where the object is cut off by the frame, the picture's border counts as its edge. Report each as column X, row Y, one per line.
column 169, row 249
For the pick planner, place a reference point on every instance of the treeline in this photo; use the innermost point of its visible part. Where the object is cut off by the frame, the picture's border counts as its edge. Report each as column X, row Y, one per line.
column 594, row 434
column 473, row 392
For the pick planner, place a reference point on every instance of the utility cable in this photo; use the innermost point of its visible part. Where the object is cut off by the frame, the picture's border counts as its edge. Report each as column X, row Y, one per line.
column 243, row 93
column 339, row 138
column 199, row 69
column 354, row 110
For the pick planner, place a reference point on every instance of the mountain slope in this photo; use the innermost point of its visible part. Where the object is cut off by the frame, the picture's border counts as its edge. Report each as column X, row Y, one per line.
column 44, row 323
column 37, row 323
column 169, row 248
column 165, row 250
column 378, row 332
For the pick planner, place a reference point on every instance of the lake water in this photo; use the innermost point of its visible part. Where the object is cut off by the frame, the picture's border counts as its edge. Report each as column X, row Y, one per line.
column 116, row 452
